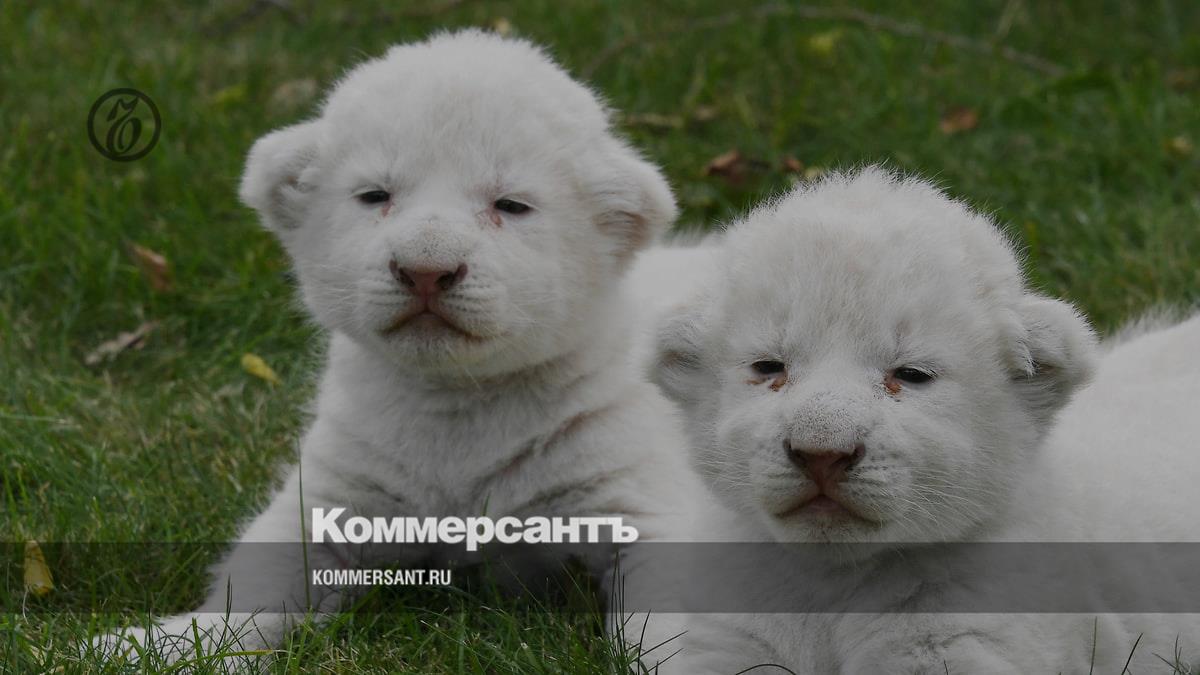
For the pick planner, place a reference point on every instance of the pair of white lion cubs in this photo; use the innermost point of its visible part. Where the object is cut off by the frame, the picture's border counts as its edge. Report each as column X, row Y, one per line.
column 859, row 360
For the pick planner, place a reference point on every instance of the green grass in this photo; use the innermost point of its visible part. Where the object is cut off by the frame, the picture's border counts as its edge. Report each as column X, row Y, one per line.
column 174, row 442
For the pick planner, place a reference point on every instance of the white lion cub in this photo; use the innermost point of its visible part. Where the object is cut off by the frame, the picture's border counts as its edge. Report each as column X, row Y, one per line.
column 867, row 365
column 459, row 216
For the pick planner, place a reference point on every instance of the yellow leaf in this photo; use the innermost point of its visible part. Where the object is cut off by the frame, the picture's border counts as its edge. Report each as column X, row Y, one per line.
column 823, row 44
column 253, row 364
column 1180, row 146
column 37, row 574
column 235, row 93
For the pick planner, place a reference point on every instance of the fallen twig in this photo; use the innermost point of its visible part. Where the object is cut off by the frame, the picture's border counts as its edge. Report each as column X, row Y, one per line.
column 432, row 10
column 875, row 21
column 110, row 349
column 420, row 12
column 250, row 13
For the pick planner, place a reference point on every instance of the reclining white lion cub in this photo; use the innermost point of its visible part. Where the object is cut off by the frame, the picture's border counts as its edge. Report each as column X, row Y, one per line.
column 459, row 217
column 867, row 364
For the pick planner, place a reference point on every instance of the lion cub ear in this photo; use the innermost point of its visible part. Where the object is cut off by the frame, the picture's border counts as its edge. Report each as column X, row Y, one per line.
column 634, row 201
column 274, row 182
column 1056, row 355
column 681, row 366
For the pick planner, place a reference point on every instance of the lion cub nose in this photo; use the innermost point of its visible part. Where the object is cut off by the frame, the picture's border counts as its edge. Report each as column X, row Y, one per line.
column 426, row 283
column 826, row 465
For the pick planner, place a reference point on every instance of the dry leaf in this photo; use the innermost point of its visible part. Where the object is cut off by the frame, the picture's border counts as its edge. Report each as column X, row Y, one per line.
column 154, row 267
column 791, row 165
column 724, row 163
column 293, row 93
column 730, row 165
column 502, row 26
column 1180, row 146
column 37, row 574
column 959, row 119
column 705, row 113
column 1183, row 79
column 134, row 339
column 253, row 364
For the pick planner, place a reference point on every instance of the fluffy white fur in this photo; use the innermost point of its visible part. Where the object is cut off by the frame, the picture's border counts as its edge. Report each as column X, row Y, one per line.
column 519, row 396
column 846, row 281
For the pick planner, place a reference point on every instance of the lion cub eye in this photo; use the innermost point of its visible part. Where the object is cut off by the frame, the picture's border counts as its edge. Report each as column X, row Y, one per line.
column 912, row 375
column 511, row 206
column 768, row 367
column 374, row 196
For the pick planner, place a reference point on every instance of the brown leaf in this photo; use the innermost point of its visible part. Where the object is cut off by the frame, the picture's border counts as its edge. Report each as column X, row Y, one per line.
column 154, row 267
column 791, row 165
column 959, row 119
column 730, row 166
column 1183, row 79
column 123, row 342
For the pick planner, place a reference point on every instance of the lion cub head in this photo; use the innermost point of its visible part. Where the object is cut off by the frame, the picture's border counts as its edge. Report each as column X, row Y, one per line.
column 459, row 205
column 868, row 365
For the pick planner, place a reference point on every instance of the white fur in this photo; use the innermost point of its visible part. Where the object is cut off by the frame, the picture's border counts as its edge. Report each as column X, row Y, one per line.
column 863, row 273
column 663, row 278
column 539, row 410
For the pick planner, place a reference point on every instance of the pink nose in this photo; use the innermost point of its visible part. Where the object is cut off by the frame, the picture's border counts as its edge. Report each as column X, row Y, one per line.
column 826, row 466
column 426, row 283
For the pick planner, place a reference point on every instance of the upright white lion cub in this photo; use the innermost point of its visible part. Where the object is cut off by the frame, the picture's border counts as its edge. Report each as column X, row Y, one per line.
column 459, row 216
column 867, row 365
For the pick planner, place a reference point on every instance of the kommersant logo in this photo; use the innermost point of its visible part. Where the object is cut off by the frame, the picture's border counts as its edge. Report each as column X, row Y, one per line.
column 472, row 531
